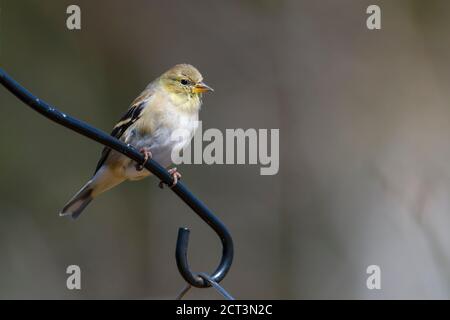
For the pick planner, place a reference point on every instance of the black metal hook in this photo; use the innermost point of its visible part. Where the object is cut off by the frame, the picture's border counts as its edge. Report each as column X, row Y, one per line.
column 195, row 204
column 196, row 279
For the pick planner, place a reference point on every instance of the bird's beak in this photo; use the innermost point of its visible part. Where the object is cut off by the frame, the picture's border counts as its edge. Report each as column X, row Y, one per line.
column 201, row 87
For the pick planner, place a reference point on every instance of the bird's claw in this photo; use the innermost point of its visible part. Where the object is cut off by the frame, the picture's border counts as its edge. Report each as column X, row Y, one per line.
column 147, row 155
column 175, row 176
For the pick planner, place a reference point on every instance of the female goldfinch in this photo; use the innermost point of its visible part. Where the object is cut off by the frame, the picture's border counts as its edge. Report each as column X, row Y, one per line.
column 169, row 103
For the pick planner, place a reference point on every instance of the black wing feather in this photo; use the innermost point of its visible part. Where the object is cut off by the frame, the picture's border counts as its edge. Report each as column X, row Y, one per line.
column 132, row 115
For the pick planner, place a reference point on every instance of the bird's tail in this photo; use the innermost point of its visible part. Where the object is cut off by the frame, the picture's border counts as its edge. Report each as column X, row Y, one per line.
column 80, row 201
column 103, row 180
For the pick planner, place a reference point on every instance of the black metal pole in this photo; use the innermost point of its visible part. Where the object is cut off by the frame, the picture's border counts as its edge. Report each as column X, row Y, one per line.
column 195, row 204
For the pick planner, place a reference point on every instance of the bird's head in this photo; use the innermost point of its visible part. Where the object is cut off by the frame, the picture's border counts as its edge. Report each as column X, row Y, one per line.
column 184, row 81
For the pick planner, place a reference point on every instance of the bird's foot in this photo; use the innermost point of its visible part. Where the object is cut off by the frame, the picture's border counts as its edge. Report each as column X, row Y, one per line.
column 175, row 176
column 147, row 155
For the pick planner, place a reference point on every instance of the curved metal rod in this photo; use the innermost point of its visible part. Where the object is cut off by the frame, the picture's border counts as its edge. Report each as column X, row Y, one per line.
column 179, row 189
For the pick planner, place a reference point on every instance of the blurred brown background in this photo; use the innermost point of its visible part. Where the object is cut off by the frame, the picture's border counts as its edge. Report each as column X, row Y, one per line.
column 364, row 125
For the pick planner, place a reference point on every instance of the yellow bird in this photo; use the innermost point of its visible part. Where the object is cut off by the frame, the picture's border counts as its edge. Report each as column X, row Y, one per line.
column 169, row 103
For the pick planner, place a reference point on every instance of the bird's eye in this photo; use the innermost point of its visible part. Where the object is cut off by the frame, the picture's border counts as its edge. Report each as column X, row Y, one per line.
column 184, row 82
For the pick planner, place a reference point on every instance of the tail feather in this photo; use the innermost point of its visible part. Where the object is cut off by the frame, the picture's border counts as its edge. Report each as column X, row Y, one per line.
column 80, row 201
column 103, row 180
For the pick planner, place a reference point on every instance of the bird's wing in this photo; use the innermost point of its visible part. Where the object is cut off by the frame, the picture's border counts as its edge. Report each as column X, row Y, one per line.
column 132, row 115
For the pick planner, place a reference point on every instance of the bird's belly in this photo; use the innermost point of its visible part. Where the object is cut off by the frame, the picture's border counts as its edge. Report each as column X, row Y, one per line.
column 161, row 144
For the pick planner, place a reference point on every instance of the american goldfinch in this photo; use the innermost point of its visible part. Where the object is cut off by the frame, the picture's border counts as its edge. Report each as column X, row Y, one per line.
column 171, row 102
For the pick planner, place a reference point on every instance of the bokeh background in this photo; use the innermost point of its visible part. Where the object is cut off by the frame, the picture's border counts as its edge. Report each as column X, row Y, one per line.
column 364, row 119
